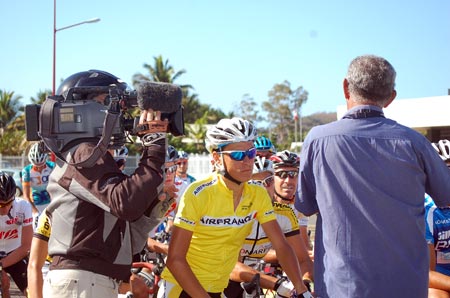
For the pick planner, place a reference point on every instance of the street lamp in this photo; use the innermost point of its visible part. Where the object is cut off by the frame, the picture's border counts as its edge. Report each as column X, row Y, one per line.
column 54, row 39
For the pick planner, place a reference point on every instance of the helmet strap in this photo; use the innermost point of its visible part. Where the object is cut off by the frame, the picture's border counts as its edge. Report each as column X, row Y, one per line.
column 226, row 174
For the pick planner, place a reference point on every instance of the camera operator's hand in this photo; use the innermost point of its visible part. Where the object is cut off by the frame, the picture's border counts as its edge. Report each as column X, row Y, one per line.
column 155, row 128
column 169, row 191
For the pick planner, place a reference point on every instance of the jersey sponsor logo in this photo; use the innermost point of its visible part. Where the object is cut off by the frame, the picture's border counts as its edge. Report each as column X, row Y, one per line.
column 443, row 235
column 442, row 244
column 442, row 221
column 229, row 221
column 260, row 249
column 10, row 234
column 186, row 221
column 203, row 186
column 18, row 219
column 269, row 212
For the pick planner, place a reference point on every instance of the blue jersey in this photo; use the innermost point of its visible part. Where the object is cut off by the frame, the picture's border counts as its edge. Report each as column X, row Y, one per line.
column 438, row 233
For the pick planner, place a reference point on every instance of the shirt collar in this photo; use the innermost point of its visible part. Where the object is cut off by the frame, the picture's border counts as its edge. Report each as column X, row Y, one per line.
column 362, row 107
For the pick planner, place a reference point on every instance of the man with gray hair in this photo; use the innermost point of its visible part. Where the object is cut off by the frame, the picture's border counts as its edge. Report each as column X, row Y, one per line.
column 365, row 176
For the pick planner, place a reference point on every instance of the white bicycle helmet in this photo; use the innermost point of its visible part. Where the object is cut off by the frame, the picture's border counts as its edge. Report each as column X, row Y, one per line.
column 36, row 156
column 228, row 131
column 183, row 155
column 262, row 164
column 120, row 153
column 443, row 149
column 171, row 154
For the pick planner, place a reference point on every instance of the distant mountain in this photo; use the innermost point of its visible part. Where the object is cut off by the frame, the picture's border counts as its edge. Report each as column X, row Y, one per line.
column 315, row 119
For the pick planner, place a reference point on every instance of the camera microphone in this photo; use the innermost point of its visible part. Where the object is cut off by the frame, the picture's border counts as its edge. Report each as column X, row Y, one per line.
column 158, row 96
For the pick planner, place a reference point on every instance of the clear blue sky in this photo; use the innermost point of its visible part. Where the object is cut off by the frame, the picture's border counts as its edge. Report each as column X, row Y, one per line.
column 230, row 48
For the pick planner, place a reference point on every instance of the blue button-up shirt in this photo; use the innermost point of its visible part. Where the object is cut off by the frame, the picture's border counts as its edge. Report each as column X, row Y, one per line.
column 367, row 178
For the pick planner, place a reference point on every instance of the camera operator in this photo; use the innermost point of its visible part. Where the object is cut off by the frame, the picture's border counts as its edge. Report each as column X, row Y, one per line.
column 100, row 216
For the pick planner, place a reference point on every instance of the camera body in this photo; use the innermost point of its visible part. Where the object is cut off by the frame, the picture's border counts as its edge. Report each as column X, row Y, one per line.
column 79, row 116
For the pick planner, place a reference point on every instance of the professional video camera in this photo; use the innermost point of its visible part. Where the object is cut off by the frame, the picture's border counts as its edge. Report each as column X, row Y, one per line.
column 64, row 121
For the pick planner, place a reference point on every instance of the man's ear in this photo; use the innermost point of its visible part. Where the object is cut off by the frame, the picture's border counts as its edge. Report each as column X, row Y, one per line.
column 345, row 87
column 391, row 99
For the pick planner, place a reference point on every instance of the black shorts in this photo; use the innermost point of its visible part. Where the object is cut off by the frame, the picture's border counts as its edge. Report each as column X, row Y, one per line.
column 233, row 290
column 18, row 272
column 212, row 295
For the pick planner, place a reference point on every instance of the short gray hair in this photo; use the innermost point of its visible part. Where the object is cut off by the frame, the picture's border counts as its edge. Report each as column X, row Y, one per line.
column 371, row 79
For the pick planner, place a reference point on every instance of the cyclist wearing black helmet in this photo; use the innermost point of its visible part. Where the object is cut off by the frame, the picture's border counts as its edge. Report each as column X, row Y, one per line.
column 16, row 232
column 100, row 216
column 286, row 165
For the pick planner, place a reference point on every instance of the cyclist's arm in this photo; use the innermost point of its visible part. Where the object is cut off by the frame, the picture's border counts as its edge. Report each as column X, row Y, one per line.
column 26, row 187
column 245, row 273
column 38, row 254
column 305, row 237
column 22, row 251
column 157, row 246
column 287, row 258
column 178, row 265
column 305, row 262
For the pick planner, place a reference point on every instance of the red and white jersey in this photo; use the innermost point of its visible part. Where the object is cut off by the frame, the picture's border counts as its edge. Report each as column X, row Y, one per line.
column 11, row 225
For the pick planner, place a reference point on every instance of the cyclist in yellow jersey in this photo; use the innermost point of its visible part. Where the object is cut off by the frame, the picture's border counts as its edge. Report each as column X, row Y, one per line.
column 216, row 214
column 38, row 256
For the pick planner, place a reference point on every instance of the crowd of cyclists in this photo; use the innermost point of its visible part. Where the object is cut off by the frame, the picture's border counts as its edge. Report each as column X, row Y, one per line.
column 80, row 232
column 276, row 171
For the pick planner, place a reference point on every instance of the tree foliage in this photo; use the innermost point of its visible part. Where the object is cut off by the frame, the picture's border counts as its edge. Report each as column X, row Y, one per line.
column 278, row 110
column 282, row 102
column 248, row 109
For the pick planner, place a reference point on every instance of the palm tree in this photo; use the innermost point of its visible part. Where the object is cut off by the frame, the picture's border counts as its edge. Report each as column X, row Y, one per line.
column 10, row 107
column 197, row 131
column 41, row 96
column 161, row 71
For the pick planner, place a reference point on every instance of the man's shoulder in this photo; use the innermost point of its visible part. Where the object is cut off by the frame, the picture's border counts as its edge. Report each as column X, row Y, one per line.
column 21, row 203
column 203, row 186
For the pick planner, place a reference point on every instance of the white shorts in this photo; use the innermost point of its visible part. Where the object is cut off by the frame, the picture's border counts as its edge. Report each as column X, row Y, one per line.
column 79, row 283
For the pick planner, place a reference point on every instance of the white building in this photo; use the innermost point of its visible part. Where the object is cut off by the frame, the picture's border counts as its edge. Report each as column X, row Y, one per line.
column 428, row 115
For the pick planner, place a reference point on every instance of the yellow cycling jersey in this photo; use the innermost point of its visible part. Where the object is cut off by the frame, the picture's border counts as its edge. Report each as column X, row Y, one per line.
column 257, row 244
column 219, row 231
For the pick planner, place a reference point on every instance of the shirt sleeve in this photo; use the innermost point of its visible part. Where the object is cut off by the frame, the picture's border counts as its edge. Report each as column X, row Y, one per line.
column 28, row 214
column 43, row 229
column 187, row 214
column 265, row 213
column 305, row 197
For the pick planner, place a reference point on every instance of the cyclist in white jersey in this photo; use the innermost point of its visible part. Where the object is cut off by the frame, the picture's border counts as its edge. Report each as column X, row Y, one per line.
column 15, row 234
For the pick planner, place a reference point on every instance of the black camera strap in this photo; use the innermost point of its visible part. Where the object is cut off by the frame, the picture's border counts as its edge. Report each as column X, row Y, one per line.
column 46, row 120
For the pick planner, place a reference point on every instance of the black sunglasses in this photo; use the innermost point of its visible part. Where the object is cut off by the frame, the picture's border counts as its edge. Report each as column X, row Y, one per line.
column 285, row 174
